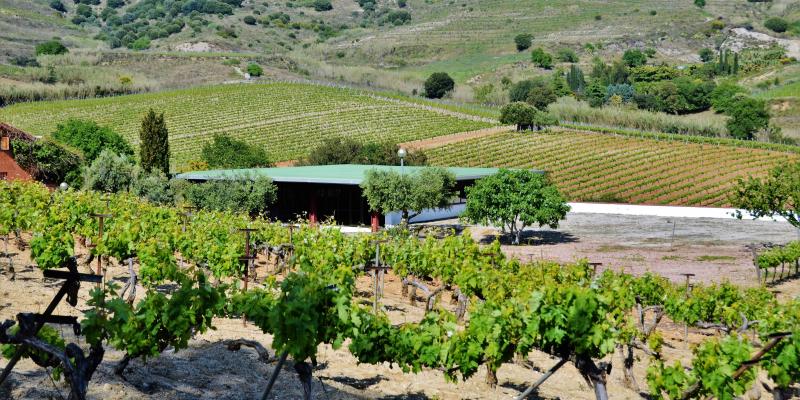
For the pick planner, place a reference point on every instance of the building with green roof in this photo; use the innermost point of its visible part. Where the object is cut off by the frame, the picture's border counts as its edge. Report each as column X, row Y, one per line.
column 320, row 192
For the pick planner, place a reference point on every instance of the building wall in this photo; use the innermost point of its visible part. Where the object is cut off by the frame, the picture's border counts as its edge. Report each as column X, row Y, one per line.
column 10, row 170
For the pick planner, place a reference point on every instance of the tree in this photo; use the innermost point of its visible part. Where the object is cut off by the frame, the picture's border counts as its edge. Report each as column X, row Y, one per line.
column 154, row 143
column 776, row 24
column 411, row 193
column 323, row 5
column 345, row 150
column 251, row 195
column 559, row 84
column 438, row 84
column 624, row 91
column 518, row 113
column 47, row 161
column 514, row 200
column 596, row 93
column 634, row 58
column 541, row 58
column 748, row 116
column 722, row 97
column 700, row 3
column 90, row 138
column 249, row 20
column 575, row 80
column 51, row 47
column 225, row 152
column 538, row 92
column 776, row 194
column 109, row 172
column 523, row 41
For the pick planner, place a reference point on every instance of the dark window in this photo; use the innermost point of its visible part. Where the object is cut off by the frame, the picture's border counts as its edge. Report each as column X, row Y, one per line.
column 3, row 176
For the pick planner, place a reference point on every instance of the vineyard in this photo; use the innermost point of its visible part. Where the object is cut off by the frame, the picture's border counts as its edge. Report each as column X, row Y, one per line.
column 187, row 270
column 287, row 119
column 619, row 168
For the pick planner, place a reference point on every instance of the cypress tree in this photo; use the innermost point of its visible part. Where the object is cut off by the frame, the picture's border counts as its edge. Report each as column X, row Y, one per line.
column 154, row 143
column 576, row 80
column 735, row 63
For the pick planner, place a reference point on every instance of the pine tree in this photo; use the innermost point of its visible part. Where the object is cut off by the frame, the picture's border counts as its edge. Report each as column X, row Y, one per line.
column 154, row 143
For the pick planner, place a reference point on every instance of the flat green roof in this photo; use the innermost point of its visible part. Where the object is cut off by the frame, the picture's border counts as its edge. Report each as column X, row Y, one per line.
column 342, row 174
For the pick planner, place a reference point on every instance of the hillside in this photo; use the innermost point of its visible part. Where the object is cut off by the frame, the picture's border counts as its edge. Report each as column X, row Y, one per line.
column 287, row 119
column 609, row 168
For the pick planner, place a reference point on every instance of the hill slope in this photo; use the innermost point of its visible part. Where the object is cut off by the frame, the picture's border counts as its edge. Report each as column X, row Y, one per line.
column 287, row 119
column 602, row 167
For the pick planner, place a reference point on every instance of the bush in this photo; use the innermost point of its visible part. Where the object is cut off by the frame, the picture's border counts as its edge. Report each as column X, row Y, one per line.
column 249, row 20
column 525, row 116
column 90, row 138
column 58, row 6
column 537, row 92
column 541, row 58
column 706, row 54
column 523, row 41
column 700, row 3
column 634, row 58
column 142, row 43
column 567, row 55
column 109, row 172
column 438, row 84
column 254, row 70
column 153, row 187
column 323, row 5
column 45, row 160
column 401, row 3
column 596, row 93
column 51, row 47
column 624, row 91
column 242, row 194
column 776, row 24
column 84, row 11
column 224, row 152
column 398, row 17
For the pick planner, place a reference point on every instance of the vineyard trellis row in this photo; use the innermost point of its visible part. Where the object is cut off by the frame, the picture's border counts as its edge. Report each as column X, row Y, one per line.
column 513, row 308
column 600, row 167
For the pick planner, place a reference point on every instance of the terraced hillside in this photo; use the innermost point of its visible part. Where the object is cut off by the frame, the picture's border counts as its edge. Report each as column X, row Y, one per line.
column 287, row 119
column 602, row 167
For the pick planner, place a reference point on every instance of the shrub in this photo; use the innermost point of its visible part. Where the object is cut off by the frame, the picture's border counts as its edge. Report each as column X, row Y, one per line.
column 51, row 47
column 523, row 41
column 776, row 24
column 700, row 3
column 706, row 54
column 153, row 187
column 541, row 58
column 596, row 93
column 438, row 84
column 109, row 172
column 84, row 11
column 58, row 6
column 567, row 55
column 249, row 20
column 115, row 3
column 90, row 138
column 634, row 58
column 401, row 3
column 398, row 17
column 224, row 152
column 344, row 150
column 624, row 91
column 323, row 5
column 254, row 70
column 537, row 92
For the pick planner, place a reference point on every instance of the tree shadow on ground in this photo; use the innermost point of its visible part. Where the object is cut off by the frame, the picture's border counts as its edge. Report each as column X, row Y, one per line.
column 521, row 388
column 407, row 396
column 533, row 238
column 359, row 384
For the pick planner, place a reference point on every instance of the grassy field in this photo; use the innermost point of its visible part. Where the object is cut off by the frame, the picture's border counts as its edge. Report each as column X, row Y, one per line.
column 603, row 167
column 287, row 119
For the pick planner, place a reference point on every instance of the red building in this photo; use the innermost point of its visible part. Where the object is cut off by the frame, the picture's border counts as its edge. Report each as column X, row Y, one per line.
column 9, row 169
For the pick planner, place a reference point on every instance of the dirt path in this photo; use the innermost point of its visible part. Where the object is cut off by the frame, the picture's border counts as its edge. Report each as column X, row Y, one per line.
column 439, row 141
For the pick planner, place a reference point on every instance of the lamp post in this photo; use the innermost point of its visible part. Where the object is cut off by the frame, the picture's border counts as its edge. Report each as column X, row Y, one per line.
column 402, row 154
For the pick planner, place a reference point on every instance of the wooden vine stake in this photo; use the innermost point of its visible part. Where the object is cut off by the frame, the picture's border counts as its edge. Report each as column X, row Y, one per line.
column 685, row 325
column 100, row 219
column 378, row 271
column 247, row 260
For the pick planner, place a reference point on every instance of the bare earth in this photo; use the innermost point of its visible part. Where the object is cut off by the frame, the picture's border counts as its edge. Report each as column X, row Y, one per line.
column 208, row 370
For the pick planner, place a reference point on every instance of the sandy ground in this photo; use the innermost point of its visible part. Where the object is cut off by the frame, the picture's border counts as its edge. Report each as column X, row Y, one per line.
column 208, row 370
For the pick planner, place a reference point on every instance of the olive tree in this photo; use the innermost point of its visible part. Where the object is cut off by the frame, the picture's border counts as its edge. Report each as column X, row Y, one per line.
column 525, row 116
column 514, row 200
column 410, row 193
column 776, row 194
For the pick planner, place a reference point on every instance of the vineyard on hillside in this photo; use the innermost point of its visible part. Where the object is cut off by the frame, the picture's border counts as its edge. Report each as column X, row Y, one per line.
column 611, row 168
column 287, row 119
